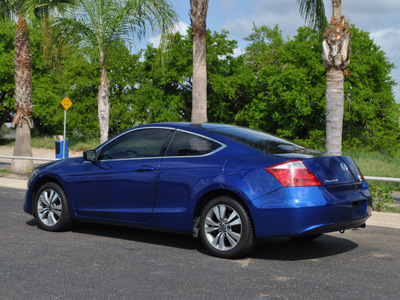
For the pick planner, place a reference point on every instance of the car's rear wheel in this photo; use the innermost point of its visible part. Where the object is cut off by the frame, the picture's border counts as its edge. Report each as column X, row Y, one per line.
column 51, row 208
column 226, row 229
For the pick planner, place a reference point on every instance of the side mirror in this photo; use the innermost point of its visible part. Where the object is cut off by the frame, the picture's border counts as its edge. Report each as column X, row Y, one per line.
column 90, row 155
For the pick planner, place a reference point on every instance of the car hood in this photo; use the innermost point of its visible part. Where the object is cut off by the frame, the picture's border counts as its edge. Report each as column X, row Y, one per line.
column 60, row 163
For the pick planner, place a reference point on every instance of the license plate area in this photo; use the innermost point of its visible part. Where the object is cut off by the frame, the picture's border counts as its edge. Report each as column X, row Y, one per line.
column 358, row 210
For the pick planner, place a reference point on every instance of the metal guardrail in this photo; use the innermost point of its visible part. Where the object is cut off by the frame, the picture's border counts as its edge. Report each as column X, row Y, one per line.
column 28, row 158
column 387, row 179
column 368, row 178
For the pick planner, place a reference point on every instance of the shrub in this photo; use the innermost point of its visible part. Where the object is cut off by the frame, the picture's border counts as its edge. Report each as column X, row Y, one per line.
column 4, row 130
column 382, row 197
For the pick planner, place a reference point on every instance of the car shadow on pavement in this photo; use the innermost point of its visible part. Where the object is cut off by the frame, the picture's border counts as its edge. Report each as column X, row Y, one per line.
column 283, row 249
column 164, row 238
column 287, row 249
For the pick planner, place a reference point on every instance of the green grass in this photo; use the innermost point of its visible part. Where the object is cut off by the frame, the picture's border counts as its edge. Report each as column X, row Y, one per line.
column 5, row 171
column 394, row 209
column 43, row 142
column 378, row 165
column 82, row 144
column 74, row 143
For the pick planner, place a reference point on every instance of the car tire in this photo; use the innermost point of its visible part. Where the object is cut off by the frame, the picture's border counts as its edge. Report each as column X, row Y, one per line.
column 306, row 238
column 226, row 229
column 51, row 208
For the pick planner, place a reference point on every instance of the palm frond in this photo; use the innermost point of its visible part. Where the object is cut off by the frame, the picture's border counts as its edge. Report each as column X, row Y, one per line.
column 8, row 9
column 97, row 24
column 140, row 15
column 74, row 32
column 42, row 8
column 313, row 11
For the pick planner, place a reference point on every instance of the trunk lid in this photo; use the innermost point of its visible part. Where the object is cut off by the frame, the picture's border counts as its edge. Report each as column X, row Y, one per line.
column 334, row 170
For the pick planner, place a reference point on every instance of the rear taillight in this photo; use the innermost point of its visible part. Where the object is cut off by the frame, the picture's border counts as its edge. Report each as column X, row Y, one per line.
column 362, row 177
column 293, row 173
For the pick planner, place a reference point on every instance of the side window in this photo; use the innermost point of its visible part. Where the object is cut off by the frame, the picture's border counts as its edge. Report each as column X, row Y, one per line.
column 186, row 144
column 136, row 144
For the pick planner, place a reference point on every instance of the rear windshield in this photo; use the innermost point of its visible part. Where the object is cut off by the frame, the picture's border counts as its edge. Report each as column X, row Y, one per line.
column 261, row 141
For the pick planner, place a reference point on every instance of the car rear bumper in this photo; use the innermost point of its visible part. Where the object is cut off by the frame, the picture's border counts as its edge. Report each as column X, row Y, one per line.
column 357, row 223
column 309, row 210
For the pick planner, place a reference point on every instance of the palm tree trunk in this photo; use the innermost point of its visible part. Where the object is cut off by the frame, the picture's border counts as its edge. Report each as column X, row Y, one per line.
column 334, row 111
column 336, row 56
column 23, row 99
column 103, row 102
column 337, row 9
column 198, row 16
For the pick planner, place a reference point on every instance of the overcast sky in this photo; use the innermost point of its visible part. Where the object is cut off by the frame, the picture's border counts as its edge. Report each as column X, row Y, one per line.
column 380, row 18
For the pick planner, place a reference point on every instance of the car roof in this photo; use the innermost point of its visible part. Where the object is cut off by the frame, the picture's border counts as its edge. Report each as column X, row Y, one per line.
column 188, row 125
column 203, row 128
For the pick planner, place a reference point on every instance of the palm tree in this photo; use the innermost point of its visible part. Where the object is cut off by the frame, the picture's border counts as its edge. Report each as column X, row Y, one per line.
column 336, row 57
column 198, row 17
column 23, row 10
column 96, row 24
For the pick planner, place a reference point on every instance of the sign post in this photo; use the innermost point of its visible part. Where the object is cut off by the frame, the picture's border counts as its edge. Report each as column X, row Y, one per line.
column 66, row 103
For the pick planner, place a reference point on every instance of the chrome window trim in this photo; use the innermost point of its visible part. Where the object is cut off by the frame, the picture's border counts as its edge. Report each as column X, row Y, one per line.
column 222, row 145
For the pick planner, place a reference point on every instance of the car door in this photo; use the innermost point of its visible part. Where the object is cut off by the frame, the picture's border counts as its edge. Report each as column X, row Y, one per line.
column 188, row 167
column 121, row 184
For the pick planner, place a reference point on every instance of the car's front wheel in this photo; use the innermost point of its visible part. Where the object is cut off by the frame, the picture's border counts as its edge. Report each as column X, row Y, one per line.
column 226, row 229
column 51, row 208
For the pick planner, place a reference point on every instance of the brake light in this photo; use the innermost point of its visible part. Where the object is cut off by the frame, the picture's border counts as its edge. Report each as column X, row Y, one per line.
column 362, row 176
column 293, row 173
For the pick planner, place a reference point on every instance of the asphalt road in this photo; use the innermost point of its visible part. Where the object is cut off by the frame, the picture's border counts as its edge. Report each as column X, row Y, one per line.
column 108, row 262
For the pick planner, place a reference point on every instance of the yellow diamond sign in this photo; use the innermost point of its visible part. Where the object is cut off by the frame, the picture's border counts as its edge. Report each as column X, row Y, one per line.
column 66, row 103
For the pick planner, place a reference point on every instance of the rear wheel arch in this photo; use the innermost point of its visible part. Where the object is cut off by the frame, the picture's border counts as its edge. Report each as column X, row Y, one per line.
column 206, row 198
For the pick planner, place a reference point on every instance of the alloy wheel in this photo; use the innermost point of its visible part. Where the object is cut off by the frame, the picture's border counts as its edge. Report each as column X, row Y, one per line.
column 49, row 207
column 223, row 227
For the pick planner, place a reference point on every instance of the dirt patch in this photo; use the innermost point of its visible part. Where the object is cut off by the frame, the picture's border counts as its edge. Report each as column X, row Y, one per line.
column 36, row 152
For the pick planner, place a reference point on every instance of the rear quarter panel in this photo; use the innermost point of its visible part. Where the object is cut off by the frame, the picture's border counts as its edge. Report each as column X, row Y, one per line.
column 183, row 181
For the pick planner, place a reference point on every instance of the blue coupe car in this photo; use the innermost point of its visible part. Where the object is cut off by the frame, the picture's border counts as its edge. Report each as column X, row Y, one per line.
column 229, row 185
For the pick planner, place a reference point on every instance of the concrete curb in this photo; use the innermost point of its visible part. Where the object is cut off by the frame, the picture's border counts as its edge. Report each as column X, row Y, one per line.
column 13, row 183
column 384, row 219
column 390, row 220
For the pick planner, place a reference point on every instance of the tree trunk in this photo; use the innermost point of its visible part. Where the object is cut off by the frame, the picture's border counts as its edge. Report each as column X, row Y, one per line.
column 334, row 111
column 336, row 9
column 103, row 102
column 23, row 99
column 336, row 56
column 198, row 17
column 22, row 148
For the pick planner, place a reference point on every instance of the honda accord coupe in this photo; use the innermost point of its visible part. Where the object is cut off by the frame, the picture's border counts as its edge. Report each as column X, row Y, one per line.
column 228, row 185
